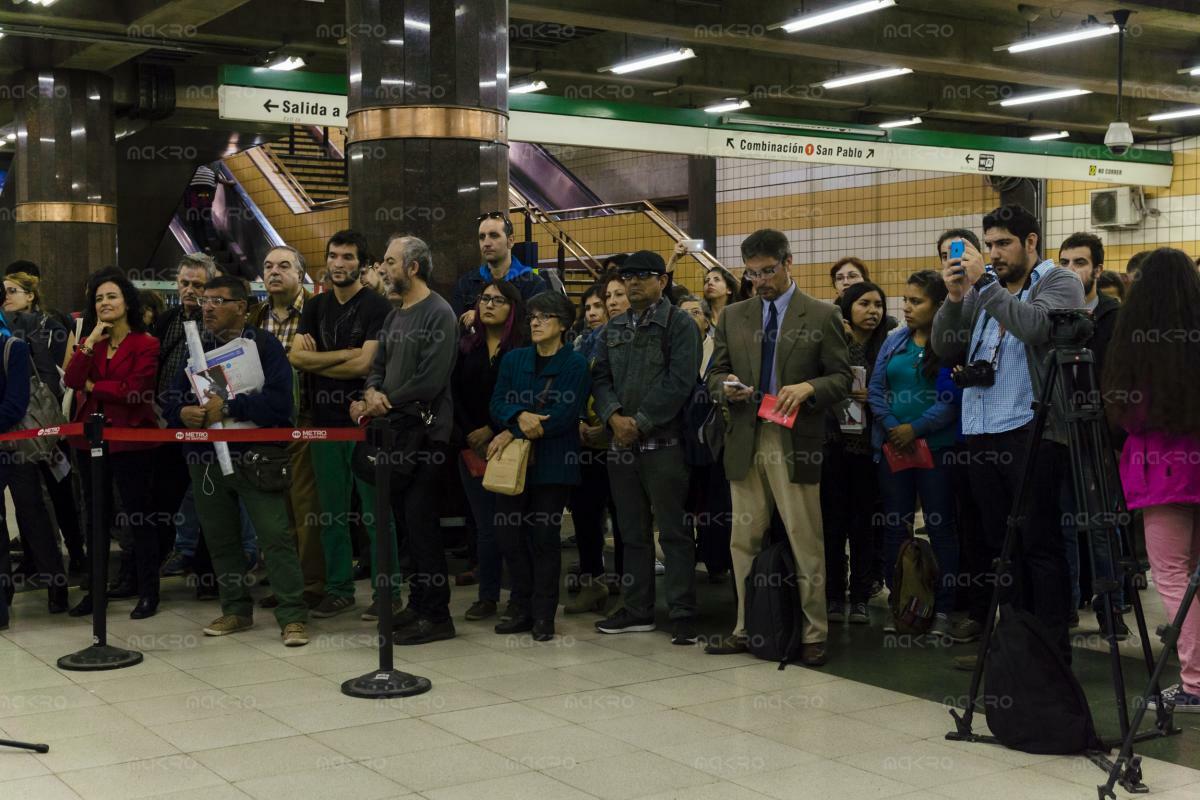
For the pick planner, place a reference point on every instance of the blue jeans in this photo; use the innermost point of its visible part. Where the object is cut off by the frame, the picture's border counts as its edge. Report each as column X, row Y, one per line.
column 1102, row 566
column 899, row 492
column 483, row 508
column 187, row 532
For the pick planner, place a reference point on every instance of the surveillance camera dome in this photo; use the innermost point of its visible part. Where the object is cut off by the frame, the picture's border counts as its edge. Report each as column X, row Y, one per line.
column 1119, row 138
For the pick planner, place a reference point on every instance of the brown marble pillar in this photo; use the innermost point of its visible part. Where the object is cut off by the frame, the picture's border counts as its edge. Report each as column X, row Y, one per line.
column 66, row 198
column 428, row 123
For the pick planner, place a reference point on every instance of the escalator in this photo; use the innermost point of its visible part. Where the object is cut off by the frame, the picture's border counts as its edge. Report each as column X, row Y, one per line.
column 544, row 181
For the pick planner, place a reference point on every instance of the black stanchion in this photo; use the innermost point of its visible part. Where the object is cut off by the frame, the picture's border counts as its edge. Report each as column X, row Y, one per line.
column 386, row 681
column 101, row 655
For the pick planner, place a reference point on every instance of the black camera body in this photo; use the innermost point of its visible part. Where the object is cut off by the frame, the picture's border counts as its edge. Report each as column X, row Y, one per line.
column 977, row 373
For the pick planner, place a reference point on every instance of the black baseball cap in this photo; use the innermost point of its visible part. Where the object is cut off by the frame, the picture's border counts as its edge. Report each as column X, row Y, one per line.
column 644, row 261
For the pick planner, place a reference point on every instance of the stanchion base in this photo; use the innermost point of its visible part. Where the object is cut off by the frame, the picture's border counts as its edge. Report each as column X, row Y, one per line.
column 100, row 657
column 382, row 683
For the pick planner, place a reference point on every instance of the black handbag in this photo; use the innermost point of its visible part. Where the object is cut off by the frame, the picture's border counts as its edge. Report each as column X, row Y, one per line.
column 408, row 427
column 268, row 468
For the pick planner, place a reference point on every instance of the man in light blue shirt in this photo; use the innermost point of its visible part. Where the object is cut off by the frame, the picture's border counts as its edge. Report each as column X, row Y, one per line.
column 999, row 315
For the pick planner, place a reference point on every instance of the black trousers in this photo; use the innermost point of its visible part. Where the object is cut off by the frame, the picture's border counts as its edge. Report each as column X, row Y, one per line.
column 589, row 500
column 1039, row 581
column 24, row 480
column 711, row 508
column 126, row 473
column 419, row 533
column 527, row 526
column 849, row 494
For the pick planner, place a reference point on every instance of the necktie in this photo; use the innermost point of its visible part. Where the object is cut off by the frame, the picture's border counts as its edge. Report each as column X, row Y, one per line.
column 770, row 334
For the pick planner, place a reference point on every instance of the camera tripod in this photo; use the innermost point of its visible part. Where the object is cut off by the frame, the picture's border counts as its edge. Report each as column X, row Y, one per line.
column 1101, row 512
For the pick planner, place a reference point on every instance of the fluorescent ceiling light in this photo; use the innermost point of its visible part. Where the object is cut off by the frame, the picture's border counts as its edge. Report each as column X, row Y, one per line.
column 1040, row 97
column 646, row 62
column 809, row 21
column 1083, row 34
column 901, row 123
column 1183, row 112
column 287, row 64
column 863, row 77
column 730, row 104
column 1045, row 137
column 527, row 88
column 1193, row 71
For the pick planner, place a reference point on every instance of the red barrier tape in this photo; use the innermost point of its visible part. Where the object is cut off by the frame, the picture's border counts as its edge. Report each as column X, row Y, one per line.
column 199, row 435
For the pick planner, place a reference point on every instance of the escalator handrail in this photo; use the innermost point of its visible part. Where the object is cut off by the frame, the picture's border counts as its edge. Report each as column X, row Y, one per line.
column 268, row 229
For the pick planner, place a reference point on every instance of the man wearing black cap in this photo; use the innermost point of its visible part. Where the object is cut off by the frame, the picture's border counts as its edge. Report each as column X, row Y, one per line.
column 644, row 372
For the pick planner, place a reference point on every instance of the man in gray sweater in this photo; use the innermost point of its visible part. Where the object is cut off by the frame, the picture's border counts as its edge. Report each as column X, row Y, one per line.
column 998, row 317
column 410, row 376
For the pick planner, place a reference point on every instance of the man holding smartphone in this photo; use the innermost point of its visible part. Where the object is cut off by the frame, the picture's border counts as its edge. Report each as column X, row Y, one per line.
column 998, row 315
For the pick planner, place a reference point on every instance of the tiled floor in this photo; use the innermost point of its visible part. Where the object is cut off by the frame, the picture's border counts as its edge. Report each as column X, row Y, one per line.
column 585, row 716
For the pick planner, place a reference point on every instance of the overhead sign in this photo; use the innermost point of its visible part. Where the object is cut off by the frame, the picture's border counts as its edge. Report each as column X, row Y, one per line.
column 281, row 105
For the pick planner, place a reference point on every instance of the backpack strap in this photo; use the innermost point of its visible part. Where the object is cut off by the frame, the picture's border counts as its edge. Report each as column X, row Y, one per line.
column 7, row 348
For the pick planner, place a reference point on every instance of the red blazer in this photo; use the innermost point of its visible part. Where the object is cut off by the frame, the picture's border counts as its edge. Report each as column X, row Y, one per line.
column 123, row 387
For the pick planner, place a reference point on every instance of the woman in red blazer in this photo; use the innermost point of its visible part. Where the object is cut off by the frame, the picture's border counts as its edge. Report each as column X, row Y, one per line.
column 114, row 371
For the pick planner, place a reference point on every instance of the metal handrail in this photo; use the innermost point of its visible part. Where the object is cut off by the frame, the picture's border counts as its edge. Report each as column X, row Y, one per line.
column 286, row 174
column 557, row 234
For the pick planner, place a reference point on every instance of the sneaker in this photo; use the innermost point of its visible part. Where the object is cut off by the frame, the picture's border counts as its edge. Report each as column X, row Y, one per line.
column 858, row 614
column 176, row 564
column 965, row 630
column 480, row 609
column 333, row 605
column 659, row 567
column 1168, row 696
column 424, row 632
column 941, row 627
column 228, row 623
column 372, row 612
column 294, row 635
column 683, row 631
column 1179, row 701
column 624, row 622
column 837, row 611
column 889, row 622
column 876, row 588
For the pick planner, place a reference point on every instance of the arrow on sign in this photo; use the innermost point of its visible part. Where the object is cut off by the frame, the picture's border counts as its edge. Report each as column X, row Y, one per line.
column 729, row 142
column 970, row 158
column 871, row 153
column 269, row 106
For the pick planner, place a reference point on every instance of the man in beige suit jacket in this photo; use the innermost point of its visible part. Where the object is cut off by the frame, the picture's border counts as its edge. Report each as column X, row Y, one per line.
column 785, row 343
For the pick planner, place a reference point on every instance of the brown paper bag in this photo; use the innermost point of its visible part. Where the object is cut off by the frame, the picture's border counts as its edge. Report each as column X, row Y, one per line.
column 506, row 470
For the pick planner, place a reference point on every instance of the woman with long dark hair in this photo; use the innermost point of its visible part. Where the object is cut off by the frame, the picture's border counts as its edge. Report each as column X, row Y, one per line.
column 113, row 370
column 498, row 327
column 848, row 484
column 720, row 290
column 907, row 407
column 1155, row 345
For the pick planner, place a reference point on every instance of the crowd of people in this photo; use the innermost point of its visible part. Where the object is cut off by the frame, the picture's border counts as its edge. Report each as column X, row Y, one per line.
column 644, row 411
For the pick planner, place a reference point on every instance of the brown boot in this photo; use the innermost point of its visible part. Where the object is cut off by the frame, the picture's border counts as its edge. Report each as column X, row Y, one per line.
column 593, row 596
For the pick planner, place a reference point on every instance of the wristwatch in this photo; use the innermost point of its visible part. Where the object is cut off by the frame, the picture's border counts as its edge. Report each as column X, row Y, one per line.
column 985, row 280
column 225, row 412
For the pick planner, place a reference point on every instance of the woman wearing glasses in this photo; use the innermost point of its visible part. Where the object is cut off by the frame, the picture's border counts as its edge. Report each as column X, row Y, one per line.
column 499, row 326
column 539, row 396
column 113, row 371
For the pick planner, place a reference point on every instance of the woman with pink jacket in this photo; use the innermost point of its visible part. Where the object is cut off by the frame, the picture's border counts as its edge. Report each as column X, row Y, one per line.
column 1154, row 347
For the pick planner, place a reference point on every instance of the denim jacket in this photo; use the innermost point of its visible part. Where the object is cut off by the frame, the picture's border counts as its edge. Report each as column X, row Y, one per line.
column 943, row 412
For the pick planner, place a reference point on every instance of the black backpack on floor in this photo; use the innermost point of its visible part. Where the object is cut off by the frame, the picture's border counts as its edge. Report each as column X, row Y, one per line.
column 1033, row 701
column 774, row 619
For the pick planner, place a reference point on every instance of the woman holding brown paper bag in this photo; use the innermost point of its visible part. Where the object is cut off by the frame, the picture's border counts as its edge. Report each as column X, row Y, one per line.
column 539, row 396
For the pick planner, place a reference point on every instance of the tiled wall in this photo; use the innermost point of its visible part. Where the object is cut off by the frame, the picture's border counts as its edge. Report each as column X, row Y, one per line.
column 888, row 218
column 1069, row 210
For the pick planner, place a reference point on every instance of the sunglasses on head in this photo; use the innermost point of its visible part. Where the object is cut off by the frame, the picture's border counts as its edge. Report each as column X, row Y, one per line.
column 500, row 215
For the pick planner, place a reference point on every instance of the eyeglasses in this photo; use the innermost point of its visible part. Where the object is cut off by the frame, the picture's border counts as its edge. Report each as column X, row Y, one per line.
column 766, row 272
column 492, row 300
column 215, row 302
column 643, row 275
column 540, row 318
column 15, row 290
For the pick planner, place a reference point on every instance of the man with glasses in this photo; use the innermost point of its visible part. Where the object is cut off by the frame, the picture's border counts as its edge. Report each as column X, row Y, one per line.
column 219, row 497
column 495, row 244
column 284, row 271
column 645, row 371
column 789, row 345
column 335, row 344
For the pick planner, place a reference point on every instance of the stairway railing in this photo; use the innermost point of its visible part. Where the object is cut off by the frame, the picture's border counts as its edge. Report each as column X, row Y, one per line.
column 570, row 245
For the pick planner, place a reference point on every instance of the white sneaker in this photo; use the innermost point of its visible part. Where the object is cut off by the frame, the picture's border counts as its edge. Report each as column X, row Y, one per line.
column 889, row 622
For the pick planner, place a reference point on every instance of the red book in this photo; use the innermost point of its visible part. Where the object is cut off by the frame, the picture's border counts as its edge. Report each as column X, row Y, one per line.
column 476, row 466
column 767, row 411
column 918, row 457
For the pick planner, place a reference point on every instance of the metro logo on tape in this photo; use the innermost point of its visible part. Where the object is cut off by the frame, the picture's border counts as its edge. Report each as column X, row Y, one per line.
column 192, row 436
column 311, row 434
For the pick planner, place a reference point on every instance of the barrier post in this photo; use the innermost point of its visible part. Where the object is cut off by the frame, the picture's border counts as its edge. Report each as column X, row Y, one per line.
column 100, row 655
column 385, row 681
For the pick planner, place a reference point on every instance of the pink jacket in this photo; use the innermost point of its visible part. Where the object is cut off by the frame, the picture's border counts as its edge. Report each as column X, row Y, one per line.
column 1159, row 468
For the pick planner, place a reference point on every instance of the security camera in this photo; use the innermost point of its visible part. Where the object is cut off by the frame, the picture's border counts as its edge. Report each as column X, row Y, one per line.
column 1119, row 138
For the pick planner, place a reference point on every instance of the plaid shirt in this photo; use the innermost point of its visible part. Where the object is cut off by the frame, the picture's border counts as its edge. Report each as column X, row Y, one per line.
column 263, row 316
